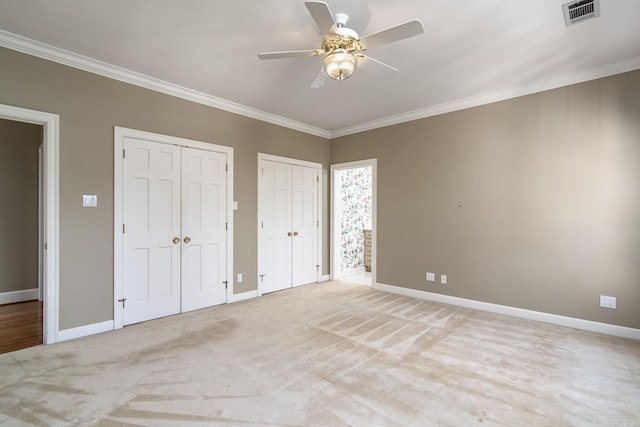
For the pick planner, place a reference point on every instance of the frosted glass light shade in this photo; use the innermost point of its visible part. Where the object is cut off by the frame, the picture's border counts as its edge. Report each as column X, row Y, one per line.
column 340, row 65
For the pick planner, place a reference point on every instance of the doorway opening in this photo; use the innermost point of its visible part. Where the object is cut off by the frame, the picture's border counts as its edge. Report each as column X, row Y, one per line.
column 20, row 301
column 30, row 279
column 353, row 211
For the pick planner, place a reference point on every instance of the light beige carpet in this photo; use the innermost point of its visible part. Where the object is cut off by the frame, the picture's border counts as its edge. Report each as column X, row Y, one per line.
column 331, row 354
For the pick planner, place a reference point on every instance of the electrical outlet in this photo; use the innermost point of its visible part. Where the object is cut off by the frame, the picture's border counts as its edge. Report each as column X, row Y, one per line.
column 607, row 302
column 431, row 277
column 443, row 279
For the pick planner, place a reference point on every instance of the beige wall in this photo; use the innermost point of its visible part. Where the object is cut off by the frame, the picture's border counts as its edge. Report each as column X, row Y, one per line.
column 19, row 144
column 89, row 107
column 532, row 202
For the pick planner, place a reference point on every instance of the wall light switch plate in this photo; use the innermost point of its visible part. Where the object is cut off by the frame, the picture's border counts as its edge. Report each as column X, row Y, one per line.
column 431, row 277
column 89, row 200
column 607, row 302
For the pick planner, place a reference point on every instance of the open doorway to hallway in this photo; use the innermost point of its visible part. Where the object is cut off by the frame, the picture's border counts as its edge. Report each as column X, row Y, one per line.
column 21, row 230
column 48, row 211
column 353, row 222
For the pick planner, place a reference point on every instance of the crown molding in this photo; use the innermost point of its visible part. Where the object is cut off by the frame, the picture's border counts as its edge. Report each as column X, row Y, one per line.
column 490, row 97
column 64, row 57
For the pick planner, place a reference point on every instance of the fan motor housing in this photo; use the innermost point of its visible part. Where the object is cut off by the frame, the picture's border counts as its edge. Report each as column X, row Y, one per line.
column 342, row 38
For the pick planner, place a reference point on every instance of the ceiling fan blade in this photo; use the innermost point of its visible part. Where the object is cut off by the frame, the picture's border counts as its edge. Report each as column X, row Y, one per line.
column 289, row 54
column 319, row 79
column 399, row 32
column 378, row 67
column 321, row 13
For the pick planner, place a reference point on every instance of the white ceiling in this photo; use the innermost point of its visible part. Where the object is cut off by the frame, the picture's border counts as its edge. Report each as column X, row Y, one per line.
column 472, row 52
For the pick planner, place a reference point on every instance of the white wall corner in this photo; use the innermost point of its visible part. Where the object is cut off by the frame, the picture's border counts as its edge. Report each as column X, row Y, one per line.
column 554, row 319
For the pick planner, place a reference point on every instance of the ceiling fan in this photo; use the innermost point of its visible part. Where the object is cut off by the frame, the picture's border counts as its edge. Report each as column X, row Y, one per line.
column 342, row 47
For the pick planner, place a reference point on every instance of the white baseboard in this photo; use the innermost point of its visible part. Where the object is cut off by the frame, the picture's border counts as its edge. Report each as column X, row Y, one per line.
column 570, row 322
column 325, row 278
column 18, row 296
column 83, row 331
column 353, row 271
column 243, row 296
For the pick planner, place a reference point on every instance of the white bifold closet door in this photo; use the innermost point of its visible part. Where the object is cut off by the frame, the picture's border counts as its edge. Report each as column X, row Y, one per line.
column 174, row 229
column 304, row 223
column 204, row 198
column 289, row 224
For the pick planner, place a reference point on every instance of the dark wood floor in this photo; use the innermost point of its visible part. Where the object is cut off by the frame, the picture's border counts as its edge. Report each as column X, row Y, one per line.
column 20, row 325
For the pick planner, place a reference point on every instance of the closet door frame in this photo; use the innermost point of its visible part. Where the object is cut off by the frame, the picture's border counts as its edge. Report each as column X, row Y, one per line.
column 297, row 162
column 119, row 136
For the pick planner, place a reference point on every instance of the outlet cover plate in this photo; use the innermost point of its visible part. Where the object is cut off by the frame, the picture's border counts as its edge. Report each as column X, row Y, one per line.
column 607, row 302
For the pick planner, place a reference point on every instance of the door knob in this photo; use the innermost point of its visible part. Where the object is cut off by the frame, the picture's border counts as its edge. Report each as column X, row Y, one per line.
column 187, row 239
column 295, row 233
column 176, row 240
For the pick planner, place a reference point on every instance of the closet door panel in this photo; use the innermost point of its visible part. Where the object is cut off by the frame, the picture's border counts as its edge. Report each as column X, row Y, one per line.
column 151, row 264
column 305, row 225
column 204, row 234
column 275, row 226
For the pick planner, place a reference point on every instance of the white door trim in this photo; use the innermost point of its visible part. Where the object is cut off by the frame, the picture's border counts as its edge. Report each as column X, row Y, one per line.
column 335, row 228
column 318, row 166
column 51, row 125
column 274, row 158
column 119, row 135
column 41, row 240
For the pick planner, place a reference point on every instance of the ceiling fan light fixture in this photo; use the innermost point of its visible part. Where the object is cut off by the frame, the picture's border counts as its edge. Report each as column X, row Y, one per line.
column 342, row 47
column 340, row 65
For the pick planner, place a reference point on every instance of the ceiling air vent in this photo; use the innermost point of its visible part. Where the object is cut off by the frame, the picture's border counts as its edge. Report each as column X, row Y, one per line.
column 578, row 11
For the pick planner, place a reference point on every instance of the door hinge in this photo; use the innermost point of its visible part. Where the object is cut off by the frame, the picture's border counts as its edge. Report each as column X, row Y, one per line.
column 122, row 301
column 226, row 284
